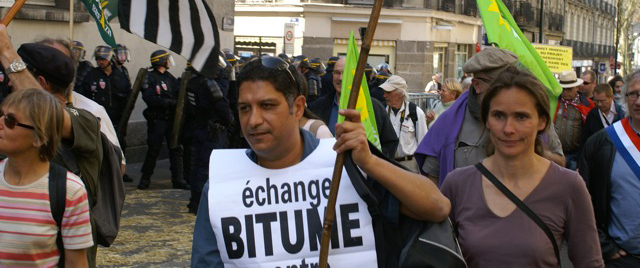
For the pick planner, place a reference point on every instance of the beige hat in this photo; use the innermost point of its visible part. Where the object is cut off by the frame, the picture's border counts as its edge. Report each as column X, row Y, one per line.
column 393, row 83
column 491, row 60
column 569, row 79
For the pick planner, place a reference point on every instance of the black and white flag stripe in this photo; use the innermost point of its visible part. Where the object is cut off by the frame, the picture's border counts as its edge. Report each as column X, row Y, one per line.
column 186, row 27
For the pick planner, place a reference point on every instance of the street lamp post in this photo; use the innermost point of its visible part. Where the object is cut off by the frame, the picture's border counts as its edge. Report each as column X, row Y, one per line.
column 541, row 21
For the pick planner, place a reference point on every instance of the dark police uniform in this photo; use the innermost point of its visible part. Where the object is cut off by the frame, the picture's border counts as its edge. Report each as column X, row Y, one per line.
column 84, row 67
column 160, row 92
column 314, row 86
column 207, row 120
column 111, row 91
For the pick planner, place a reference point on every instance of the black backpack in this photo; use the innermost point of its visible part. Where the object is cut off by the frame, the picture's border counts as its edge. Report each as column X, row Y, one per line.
column 413, row 115
column 106, row 212
column 57, row 201
column 409, row 243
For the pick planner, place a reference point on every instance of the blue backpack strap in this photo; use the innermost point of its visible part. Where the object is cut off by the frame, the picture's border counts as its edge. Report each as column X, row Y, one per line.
column 57, row 200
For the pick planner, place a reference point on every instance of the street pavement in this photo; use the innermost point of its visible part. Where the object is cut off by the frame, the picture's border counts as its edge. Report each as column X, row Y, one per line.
column 155, row 228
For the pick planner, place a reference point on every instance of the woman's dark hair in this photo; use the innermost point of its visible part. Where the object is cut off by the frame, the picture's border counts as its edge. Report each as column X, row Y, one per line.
column 514, row 77
column 614, row 80
column 280, row 79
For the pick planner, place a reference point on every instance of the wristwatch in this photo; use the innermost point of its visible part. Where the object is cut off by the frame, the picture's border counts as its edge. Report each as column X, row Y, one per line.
column 17, row 66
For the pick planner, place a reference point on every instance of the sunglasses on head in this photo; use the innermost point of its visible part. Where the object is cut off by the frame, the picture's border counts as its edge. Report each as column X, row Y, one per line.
column 11, row 122
column 279, row 64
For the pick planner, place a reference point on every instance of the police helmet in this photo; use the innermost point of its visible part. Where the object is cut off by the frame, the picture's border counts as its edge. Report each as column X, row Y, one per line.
column 121, row 53
column 285, row 57
column 78, row 50
column 103, row 53
column 301, row 61
column 161, row 58
column 317, row 65
column 231, row 59
column 384, row 66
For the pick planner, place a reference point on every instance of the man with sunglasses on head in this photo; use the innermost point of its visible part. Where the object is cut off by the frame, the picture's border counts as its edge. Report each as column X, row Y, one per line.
column 248, row 209
column 160, row 92
column 610, row 166
column 458, row 138
column 588, row 83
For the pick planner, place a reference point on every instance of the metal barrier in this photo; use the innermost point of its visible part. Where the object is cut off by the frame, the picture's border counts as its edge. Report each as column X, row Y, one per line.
column 426, row 101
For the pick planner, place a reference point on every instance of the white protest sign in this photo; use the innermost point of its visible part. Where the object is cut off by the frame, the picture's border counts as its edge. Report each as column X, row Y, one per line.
column 273, row 218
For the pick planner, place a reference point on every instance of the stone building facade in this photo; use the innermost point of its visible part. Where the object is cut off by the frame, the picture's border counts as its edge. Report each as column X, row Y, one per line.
column 416, row 38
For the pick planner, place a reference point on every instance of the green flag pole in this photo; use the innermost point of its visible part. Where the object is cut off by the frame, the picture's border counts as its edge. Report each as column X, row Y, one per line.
column 329, row 214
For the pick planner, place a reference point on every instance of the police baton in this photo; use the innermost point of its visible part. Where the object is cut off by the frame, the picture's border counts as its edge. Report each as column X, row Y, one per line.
column 12, row 12
column 329, row 214
column 178, row 119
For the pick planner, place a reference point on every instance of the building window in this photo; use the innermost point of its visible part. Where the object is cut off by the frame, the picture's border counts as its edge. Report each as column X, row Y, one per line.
column 439, row 58
column 462, row 52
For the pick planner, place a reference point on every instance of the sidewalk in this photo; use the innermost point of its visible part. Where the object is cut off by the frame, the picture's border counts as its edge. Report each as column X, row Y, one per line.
column 155, row 229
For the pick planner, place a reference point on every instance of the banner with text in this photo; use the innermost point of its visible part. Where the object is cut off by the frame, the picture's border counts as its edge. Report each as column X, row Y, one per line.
column 557, row 58
column 273, row 218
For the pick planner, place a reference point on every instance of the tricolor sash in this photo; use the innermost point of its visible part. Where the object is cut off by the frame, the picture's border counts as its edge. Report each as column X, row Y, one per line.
column 627, row 143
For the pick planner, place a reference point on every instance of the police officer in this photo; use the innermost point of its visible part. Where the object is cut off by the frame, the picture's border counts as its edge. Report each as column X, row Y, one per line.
column 107, row 86
column 160, row 92
column 327, row 79
column 84, row 66
column 121, row 55
column 314, row 88
column 207, row 119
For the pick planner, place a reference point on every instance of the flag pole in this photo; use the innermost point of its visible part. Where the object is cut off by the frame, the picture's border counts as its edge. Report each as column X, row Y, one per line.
column 329, row 214
column 71, row 20
column 12, row 12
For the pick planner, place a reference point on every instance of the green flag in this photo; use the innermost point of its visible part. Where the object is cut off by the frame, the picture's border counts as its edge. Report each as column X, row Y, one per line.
column 364, row 104
column 110, row 8
column 97, row 12
column 503, row 31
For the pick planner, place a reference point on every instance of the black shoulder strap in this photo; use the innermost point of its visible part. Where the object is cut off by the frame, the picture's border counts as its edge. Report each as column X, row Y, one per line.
column 413, row 114
column 57, row 200
column 521, row 205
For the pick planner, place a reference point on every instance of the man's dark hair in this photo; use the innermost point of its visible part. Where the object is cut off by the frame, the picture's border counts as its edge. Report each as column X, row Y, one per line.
column 280, row 79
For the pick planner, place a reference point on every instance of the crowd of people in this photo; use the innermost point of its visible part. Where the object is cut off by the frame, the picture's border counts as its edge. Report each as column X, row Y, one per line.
column 518, row 179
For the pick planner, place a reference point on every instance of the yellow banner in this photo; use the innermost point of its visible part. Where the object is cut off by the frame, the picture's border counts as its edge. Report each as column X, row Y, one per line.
column 557, row 58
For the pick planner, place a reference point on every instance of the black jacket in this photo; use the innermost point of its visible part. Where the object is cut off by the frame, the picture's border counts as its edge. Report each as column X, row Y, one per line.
column 595, row 164
column 388, row 139
column 593, row 123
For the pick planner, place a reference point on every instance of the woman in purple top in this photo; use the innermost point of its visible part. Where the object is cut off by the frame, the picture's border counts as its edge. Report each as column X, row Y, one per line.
column 492, row 231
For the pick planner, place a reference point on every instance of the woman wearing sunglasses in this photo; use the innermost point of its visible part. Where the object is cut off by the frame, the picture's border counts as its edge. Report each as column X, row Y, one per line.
column 30, row 130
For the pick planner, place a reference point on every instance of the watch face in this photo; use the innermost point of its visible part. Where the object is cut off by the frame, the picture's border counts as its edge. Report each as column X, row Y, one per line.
column 17, row 66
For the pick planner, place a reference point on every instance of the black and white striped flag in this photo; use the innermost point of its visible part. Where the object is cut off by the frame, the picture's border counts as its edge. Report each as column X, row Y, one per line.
column 186, row 27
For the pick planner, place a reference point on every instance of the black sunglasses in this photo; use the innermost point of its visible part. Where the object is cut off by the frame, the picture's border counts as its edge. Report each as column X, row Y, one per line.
column 281, row 65
column 586, row 83
column 11, row 122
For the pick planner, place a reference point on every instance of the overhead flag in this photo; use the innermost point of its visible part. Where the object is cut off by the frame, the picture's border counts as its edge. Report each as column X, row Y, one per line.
column 110, row 8
column 364, row 104
column 186, row 27
column 95, row 8
column 503, row 31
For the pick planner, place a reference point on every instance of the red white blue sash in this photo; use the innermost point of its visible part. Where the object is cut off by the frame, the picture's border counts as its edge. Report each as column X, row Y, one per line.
column 627, row 143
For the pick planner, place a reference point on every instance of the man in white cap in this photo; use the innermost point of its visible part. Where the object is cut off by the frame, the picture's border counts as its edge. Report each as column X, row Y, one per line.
column 571, row 114
column 407, row 119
